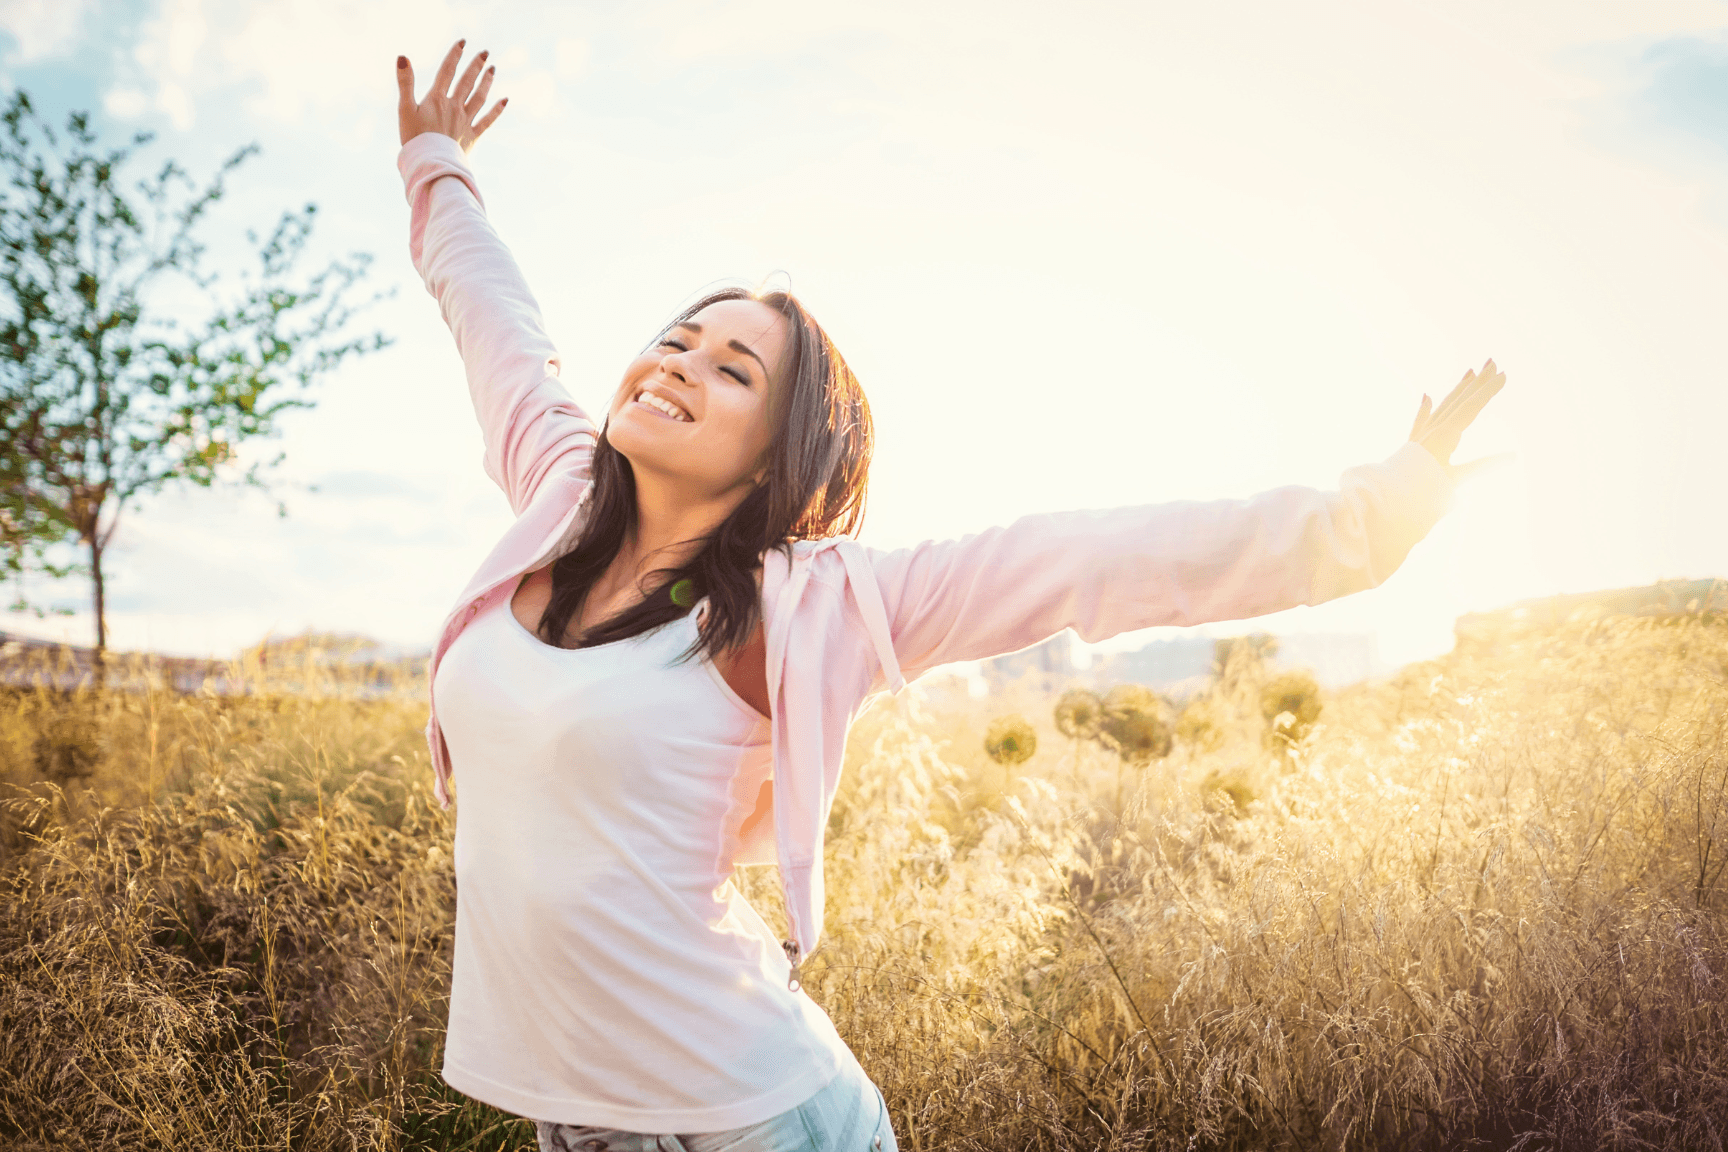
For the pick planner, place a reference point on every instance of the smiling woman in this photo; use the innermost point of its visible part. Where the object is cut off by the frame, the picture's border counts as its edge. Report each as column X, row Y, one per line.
column 694, row 631
column 724, row 458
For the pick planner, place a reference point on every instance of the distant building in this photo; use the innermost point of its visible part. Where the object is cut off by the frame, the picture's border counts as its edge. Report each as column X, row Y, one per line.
column 1159, row 663
column 28, row 662
column 1180, row 665
column 306, row 662
column 1048, row 666
column 331, row 649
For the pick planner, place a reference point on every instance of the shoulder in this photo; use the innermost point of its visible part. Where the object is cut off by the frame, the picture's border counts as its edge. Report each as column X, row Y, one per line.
column 807, row 560
column 807, row 582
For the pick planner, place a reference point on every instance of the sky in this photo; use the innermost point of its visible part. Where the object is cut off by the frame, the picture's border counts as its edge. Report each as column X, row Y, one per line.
column 1080, row 256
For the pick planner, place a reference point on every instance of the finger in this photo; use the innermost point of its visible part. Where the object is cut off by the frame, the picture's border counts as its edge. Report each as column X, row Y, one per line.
column 1459, row 389
column 490, row 116
column 1489, row 378
column 478, row 100
column 404, row 83
column 1469, row 406
column 1421, row 417
column 447, row 70
column 1466, row 413
column 1444, row 410
column 1488, row 381
column 1465, row 403
column 466, row 84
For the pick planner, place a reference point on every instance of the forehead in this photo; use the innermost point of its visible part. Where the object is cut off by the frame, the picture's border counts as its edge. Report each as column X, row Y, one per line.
column 751, row 321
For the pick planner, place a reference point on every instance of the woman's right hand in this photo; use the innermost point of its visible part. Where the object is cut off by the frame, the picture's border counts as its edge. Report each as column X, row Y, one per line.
column 447, row 110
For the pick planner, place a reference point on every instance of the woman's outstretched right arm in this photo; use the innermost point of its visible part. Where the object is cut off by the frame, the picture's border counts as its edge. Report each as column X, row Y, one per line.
column 530, row 425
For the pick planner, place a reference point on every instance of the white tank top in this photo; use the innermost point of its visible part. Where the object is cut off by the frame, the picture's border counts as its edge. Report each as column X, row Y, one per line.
column 607, row 971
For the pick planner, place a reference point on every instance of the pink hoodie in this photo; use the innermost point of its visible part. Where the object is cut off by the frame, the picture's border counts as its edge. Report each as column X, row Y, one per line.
column 844, row 621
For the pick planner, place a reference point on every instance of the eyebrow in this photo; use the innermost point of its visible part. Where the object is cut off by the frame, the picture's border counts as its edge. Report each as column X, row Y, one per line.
column 735, row 345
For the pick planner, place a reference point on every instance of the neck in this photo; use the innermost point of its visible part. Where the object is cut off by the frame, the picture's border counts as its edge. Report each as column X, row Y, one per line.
column 671, row 524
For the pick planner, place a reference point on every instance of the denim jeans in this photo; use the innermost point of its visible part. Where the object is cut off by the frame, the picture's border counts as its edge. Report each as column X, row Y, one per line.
column 849, row 1115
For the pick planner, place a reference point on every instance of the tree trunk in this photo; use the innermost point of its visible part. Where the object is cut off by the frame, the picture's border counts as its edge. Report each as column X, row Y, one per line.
column 99, row 658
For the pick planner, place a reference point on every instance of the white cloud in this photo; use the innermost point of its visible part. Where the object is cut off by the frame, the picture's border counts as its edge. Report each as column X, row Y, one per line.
column 328, row 62
column 166, row 66
column 125, row 103
column 173, row 101
column 43, row 29
column 331, row 60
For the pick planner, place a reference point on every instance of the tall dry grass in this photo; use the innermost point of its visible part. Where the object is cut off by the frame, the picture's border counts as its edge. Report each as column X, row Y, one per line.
column 1478, row 905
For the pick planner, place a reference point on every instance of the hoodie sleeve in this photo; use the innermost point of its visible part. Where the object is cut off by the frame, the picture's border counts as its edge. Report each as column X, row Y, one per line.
column 1111, row 571
column 530, row 425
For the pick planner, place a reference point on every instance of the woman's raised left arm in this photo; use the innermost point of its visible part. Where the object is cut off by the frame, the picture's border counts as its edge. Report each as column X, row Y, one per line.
column 1110, row 571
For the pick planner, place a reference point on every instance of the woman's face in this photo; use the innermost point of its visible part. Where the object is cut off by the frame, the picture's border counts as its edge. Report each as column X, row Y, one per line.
column 694, row 408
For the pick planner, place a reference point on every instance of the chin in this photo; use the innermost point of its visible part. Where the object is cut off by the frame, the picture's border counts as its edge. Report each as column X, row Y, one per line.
column 629, row 443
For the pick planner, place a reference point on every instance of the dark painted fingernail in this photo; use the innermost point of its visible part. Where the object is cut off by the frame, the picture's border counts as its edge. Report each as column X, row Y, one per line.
column 485, row 53
column 401, row 61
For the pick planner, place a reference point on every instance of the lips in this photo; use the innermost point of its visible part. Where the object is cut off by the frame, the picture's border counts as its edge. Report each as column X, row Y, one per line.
column 663, row 406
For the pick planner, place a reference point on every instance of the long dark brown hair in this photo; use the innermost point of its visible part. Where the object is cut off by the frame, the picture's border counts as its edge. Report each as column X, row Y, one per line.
column 818, row 464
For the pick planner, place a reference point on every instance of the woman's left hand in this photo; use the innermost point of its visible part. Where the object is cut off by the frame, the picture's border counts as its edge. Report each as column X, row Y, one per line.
column 447, row 110
column 1438, row 429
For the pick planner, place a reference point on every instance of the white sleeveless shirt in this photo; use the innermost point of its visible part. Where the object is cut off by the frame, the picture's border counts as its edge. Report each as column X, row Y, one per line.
column 607, row 971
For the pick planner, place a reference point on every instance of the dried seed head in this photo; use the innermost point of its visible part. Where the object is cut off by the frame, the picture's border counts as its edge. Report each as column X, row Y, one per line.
column 1136, row 724
column 1010, row 740
column 1078, row 714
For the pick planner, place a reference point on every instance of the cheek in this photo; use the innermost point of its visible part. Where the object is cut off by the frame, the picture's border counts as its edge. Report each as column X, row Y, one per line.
column 753, row 427
column 633, row 375
column 743, row 427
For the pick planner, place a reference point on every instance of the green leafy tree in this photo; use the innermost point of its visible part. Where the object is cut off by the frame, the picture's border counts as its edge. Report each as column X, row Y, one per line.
column 107, row 390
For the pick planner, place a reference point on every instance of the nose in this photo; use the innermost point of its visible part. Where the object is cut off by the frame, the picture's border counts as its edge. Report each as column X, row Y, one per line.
column 673, row 364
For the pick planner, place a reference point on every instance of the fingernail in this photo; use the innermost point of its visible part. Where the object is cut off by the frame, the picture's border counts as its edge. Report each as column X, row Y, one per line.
column 461, row 43
column 483, row 54
column 401, row 61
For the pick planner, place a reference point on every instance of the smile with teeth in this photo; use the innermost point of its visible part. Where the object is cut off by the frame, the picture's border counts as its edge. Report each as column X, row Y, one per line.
column 661, row 405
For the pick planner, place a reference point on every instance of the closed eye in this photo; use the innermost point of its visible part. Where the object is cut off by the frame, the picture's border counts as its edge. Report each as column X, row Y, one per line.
column 673, row 342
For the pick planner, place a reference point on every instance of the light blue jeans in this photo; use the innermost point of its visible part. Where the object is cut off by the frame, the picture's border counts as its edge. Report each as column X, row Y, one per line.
column 849, row 1115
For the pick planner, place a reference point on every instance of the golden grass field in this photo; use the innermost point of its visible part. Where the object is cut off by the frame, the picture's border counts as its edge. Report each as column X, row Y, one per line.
column 1477, row 905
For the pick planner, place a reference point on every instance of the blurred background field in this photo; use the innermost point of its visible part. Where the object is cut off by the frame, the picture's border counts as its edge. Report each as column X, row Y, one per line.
column 1477, row 903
